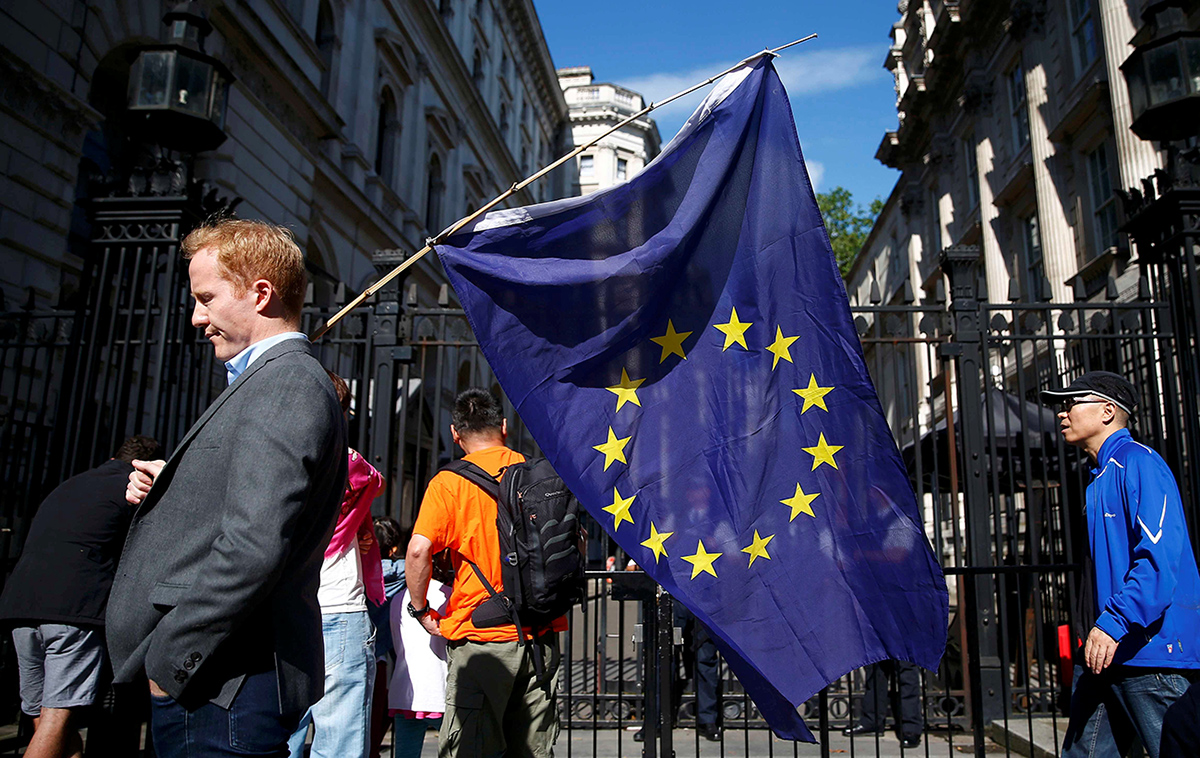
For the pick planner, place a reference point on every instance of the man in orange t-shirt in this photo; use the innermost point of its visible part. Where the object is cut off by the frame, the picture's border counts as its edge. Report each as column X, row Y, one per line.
column 489, row 669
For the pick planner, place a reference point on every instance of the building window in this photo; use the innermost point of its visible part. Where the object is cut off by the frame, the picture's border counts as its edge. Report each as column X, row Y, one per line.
column 897, row 262
column 435, row 188
column 385, row 137
column 972, row 171
column 1035, row 270
column 622, row 169
column 326, row 40
column 504, row 120
column 477, row 68
column 587, row 167
column 1104, row 208
column 1018, row 106
column 1083, row 34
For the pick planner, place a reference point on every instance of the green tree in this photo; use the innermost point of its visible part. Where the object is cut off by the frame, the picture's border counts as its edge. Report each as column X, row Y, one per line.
column 848, row 225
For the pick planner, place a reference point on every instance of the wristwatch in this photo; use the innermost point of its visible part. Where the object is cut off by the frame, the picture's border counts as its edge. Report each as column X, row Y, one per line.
column 418, row 614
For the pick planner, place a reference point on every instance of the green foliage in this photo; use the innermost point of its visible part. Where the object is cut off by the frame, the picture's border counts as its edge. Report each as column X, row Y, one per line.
column 848, row 225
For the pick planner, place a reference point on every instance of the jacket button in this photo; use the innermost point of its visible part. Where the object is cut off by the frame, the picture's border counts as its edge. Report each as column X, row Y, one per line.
column 195, row 657
column 189, row 664
column 181, row 676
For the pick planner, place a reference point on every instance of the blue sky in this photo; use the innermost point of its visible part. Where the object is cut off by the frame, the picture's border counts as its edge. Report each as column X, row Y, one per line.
column 841, row 95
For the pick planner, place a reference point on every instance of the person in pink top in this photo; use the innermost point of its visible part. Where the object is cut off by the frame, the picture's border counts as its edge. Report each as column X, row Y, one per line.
column 351, row 574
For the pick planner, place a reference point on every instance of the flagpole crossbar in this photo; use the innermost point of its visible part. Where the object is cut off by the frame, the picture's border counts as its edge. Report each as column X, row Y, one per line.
column 518, row 186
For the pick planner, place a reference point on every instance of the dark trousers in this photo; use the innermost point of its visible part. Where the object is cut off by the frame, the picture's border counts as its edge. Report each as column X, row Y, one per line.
column 253, row 724
column 1181, row 726
column 707, row 666
column 905, row 699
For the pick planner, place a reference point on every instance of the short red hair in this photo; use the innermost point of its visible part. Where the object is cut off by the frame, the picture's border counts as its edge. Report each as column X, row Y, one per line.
column 249, row 250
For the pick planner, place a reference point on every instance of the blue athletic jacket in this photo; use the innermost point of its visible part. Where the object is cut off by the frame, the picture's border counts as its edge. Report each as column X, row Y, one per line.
column 1147, row 586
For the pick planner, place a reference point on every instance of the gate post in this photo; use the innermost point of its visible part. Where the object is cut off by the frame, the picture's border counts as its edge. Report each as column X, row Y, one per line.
column 986, row 675
column 385, row 356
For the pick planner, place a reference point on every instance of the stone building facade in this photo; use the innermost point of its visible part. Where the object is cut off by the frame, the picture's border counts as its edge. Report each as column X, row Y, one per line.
column 363, row 125
column 596, row 107
column 1013, row 133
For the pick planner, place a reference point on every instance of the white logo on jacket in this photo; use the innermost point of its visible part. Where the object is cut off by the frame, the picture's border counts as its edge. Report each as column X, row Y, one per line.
column 1156, row 537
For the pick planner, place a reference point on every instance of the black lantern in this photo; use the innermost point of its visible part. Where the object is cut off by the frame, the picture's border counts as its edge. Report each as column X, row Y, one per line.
column 1163, row 73
column 177, row 93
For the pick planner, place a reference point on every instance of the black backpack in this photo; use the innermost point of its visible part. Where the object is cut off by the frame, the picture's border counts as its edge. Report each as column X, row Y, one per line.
column 541, row 563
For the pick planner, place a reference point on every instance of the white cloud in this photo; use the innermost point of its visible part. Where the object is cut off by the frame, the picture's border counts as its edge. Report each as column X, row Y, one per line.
column 816, row 172
column 801, row 73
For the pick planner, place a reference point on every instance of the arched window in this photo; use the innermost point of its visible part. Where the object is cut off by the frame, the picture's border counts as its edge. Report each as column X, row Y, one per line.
column 477, row 68
column 504, row 120
column 325, row 39
column 388, row 129
column 435, row 188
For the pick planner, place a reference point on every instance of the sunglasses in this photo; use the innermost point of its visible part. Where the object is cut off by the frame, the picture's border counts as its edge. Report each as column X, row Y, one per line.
column 1065, row 406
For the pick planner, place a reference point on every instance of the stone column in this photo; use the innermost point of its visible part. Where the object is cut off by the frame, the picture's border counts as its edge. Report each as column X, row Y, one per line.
column 1058, row 239
column 993, row 256
column 1137, row 158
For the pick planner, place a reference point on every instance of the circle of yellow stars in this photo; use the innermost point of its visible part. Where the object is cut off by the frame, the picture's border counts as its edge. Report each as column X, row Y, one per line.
column 812, row 396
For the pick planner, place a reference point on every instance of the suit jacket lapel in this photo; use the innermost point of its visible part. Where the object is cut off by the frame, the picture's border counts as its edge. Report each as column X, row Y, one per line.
column 283, row 348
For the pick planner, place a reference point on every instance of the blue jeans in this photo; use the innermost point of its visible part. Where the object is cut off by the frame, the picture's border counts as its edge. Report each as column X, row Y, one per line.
column 1110, row 710
column 342, row 718
column 251, row 726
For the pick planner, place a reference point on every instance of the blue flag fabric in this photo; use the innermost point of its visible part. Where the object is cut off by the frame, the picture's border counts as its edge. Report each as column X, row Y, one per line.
column 681, row 348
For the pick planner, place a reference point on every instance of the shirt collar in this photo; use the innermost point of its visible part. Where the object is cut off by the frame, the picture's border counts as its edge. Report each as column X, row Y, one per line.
column 1110, row 444
column 238, row 364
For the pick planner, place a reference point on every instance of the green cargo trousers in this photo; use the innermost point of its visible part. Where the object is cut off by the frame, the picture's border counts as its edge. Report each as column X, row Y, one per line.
column 494, row 705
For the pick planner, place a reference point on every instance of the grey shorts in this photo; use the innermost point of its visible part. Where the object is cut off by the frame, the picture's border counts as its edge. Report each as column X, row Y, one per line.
column 59, row 666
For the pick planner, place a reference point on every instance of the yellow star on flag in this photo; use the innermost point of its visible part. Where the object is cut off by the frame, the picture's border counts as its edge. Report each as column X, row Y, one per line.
column 813, row 395
column 657, row 542
column 822, row 453
column 614, row 449
column 626, row 391
column 801, row 503
column 734, row 330
column 702, row 561
column 672, row 342
column 758, row 548
column 780, row 347
column 620, row 508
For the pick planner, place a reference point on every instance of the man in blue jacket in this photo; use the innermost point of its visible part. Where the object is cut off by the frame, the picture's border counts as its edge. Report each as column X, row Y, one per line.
column 1143, row 647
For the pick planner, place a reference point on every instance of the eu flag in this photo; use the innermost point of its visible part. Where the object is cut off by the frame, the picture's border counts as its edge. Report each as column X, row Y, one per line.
column 681, row 348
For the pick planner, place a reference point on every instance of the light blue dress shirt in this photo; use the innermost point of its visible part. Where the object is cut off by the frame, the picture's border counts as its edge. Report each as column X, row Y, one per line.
column 236, row 365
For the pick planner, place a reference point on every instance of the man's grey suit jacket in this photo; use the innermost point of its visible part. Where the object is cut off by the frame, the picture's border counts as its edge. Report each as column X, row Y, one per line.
column 219, row 574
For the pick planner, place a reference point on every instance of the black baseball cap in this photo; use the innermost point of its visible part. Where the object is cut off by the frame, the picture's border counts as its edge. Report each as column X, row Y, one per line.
column 1112, row 387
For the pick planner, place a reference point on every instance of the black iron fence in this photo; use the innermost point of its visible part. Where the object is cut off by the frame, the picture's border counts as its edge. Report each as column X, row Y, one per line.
column 959, row 378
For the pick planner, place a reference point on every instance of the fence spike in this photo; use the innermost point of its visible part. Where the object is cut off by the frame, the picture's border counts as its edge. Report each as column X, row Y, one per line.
column 876, row 298
column 1014, row 290
column 444, row 296
column 908, row 296
column 1111, row 290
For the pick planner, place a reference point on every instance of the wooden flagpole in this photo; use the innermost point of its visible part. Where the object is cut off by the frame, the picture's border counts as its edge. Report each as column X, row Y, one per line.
column 450, row 230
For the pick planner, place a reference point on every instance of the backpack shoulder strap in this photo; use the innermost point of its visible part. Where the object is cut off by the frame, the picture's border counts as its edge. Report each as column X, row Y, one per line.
column 474, row 474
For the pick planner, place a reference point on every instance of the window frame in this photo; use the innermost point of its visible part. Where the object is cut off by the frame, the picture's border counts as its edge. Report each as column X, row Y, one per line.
column 1104, row 212
column 1077, row 25
column 1033, row 268
column 1018, row 105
